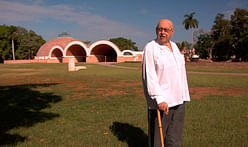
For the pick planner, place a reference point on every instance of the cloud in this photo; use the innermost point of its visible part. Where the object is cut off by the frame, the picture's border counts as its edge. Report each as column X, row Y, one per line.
column 36, row 1
column 237, row 4
column 143, row 11
column 94, row 26
column 233, row 5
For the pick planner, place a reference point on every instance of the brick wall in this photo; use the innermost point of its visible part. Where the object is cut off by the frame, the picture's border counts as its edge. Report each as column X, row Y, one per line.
column 89, row 59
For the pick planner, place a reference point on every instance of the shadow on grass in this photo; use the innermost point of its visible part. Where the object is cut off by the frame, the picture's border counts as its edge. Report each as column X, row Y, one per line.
column 20, row 106
column 135, row 137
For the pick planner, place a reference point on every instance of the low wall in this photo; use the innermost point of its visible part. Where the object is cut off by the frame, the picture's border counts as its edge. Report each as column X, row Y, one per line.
column 129, row 58
column 89, row 59
column 31, row 61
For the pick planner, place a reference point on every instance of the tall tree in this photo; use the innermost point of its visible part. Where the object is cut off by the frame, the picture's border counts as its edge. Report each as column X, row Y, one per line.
column 221, row 33
column 239, row 24
column 203, row 45
column 5, row 46
column 26, row 43
column 124, row 44
column 190, row 22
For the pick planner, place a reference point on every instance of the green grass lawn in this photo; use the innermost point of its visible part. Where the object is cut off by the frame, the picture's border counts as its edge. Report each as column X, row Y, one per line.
column 45, row 105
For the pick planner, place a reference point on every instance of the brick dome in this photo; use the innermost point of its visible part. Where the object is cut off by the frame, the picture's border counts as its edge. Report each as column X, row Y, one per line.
column 62, row 42
column 61, row 49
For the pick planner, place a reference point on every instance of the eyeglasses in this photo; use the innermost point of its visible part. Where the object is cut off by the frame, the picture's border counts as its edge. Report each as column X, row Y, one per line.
column 164, row 29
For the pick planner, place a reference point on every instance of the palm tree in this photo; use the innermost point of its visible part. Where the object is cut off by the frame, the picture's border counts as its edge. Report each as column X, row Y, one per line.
column 190, row 22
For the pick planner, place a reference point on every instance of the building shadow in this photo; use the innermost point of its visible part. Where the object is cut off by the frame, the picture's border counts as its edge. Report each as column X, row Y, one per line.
column 134, row 136
column 20, row 106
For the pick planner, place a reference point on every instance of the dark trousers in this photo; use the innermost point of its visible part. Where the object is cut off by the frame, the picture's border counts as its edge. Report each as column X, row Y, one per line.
column 172, row 125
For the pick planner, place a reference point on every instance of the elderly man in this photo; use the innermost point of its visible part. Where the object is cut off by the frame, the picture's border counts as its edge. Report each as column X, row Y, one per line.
column 165, row 86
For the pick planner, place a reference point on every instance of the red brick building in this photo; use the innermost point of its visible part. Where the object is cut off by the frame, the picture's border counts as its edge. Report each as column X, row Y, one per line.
column 59, row 50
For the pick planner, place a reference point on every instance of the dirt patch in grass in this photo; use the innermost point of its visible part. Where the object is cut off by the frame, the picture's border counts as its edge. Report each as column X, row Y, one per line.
column 136, row 87
column 12, row 73
column 22, row 69
column 106, row 92
column 200, row 92
column 103, row 92
column 104, row 88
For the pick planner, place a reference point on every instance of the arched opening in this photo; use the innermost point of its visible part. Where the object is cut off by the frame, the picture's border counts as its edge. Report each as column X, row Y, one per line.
column 127, row 54
column 78, row 52
column 104, row 53
column 58, row 54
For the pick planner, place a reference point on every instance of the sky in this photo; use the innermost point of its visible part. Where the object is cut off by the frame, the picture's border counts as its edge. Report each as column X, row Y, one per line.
column 104, row 19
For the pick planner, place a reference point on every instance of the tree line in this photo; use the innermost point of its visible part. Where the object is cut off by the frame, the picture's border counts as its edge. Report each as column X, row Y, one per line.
column 18, row 43
column 227, row 39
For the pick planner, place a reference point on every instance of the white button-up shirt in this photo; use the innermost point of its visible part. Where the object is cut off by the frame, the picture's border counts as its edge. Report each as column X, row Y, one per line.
column 164, row 75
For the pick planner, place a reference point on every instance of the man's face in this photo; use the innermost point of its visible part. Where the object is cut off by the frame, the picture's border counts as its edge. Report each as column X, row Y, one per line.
column 164, row 31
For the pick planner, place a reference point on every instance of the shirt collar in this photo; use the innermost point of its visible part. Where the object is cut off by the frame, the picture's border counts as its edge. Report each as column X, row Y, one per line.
column 163, row 47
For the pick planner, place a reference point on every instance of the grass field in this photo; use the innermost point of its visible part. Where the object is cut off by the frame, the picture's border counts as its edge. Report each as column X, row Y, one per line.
column 45, row 105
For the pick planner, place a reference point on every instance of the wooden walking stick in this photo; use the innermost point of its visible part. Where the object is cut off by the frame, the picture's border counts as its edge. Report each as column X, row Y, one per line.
column 160, row 128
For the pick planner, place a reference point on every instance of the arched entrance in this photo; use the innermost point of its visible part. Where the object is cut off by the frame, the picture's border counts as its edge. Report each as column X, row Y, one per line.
column 57, row 53
column 78, row 52
column 104, row 53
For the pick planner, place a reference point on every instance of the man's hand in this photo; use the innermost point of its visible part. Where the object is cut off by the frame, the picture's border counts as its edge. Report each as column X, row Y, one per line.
column 163, row 107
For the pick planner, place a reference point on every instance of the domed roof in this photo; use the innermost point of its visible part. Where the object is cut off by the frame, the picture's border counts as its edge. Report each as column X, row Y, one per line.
column 60, row 41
